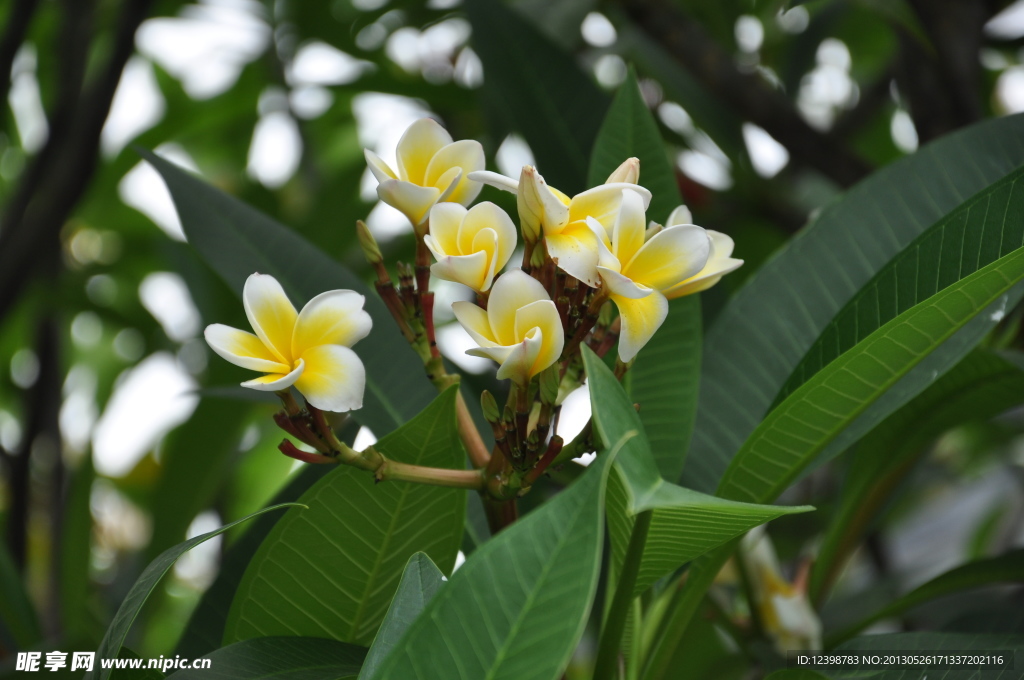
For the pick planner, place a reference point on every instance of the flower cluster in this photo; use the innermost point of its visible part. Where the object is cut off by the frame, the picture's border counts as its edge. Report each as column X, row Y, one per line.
column 594, row 272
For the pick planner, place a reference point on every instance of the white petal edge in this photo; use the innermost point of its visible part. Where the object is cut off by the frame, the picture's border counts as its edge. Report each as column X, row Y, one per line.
column 276, row 382
column 229, row 343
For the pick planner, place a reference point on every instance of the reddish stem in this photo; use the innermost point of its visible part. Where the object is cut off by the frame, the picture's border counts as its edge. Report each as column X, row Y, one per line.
column 287, row 448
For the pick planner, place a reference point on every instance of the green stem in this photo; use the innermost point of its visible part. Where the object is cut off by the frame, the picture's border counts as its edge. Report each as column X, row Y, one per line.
column 685, row 604
column 615, row 624
column 405, row 472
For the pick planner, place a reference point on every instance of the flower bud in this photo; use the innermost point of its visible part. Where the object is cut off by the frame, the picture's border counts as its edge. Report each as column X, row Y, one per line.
column 369, row 244
column 628, row 172
column 530, row 203
column 652, row 229
column 549, row 381
column 489, row 407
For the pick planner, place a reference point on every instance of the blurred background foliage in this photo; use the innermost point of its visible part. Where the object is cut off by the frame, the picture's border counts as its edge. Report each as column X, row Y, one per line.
column 118, row 438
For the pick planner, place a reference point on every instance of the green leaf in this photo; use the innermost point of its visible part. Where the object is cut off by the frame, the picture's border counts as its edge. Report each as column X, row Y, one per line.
column 420, row 583
column 796, row 674
column 685, row 523
column 518, row 606
column 331, row 570
column 76, row 543
column 767, row 328
column 629, row 130
column 665, row 376
column 983, row 229
column 280, row 658
column 144, row 585
column 665, row 380
column 981, row 386
column 1006, row 567
column 237, row 240
column 205, row 628
column 791, row 436
column 535, row 88
column 16, row 611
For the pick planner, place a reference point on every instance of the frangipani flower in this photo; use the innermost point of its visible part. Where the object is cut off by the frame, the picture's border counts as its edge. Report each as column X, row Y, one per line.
column 637, row 273
column 571, row 243
column 470, row 246
column 431, row 169
column 520, row 329
column 308, row 349
column 785, row 611
column 719, row 261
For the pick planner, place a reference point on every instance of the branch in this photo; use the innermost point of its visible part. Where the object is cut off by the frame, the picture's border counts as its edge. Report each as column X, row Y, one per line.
column 18, row 20
column 752, row 97
column 64, row 169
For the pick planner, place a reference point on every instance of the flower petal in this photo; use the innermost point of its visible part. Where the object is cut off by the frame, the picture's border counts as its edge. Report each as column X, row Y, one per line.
column 628, row 172
column 475, row 321
column 640, row 319
column 445, row 222
column 414, row 201
column 334, row 379
column 576, row 252
column 630, row 224
column 486, row 215
column 670, row 257
column 271, row 314
column 468, row 156
column 495, row 180
column 602, row 202
column 512, row 290
column 447, row 182
column 275, row 382
column 378, row 167
column 336, row 317
column 680, row 215
column 417, row 147
column 542, row 315
column 518, row 365
column 242, row 349
column 622, row 286
column 475, row 271
column 719, row 264
column 496, row 353
column 539, row 208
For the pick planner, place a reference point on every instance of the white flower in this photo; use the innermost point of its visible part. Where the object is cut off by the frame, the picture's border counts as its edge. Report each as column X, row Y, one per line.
column 520, row 329
column 637, row 273
column 470, row 246
column 308, row 349
column 431, row 169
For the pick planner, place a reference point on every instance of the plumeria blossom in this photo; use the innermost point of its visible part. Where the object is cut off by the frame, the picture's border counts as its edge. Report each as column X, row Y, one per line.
column 637, row 273
column 470, row 246
column 431, row 169
column 786, row 613
column 308, row 349
column 571, row 243
column 520, row 329
column 719, row 263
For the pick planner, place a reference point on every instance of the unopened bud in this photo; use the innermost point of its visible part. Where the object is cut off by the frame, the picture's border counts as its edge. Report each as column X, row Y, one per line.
column 528, row 200
column 549, row 380
column 628, row 172
column 369, row 244
column 489, row 407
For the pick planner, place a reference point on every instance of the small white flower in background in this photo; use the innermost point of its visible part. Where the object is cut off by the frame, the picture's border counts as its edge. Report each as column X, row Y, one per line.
column 520, row 329
column 720, row 260
column 571, row 243
column 786, row 613
column 308, row 349
column 431, row 168
column 637, row 273
column 470, row 246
